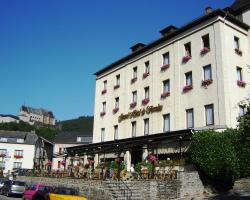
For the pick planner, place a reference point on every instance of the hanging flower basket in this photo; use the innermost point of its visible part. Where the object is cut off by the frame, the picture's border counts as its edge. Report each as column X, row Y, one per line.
column 102, row 113
column 115, row 110
column 241, row 83
column 63, row 163
column 145, row 75
column 207, row 82
column 165, row 67
column 186, row 58
column 133, row 80
column 132, row 105
column 187, row 88
column 145, row 101
column 104, row 91
column 165, row 94
column 116, row 87
column 18, row 157
column 238, row 51
column 204, row 51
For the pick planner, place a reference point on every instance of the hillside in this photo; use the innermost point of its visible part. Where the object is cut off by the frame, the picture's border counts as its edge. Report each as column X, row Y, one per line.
column 82, row 124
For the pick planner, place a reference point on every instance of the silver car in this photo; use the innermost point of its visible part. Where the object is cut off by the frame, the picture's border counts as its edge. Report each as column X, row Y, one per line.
column 13, row 188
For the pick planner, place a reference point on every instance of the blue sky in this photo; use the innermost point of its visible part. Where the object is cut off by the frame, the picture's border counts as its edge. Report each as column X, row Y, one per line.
column 50, row 49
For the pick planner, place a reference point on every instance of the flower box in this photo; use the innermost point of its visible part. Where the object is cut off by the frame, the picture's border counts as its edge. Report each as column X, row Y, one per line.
column 145, row 101
column 204, row 50
column 238, row 51
column 116, row 86
column 145, row 75
column 241, row 83
column 17, row 156
column 133, row 80
column 2, row 155
column 115, row 110
column 206, row 82
column 104, row 91
column 132, row 105
column 186, row 58
column 165, row 94
column 102, row 113
column 187, row 88
column 165, row 67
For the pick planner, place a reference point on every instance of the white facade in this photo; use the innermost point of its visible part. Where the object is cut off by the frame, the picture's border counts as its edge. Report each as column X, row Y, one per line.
column 26, row 161
column 8, row 119
column 223, row 95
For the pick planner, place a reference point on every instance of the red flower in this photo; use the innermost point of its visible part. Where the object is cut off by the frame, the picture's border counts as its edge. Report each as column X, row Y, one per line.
column 165, row 94
column 17, row 156
column 145, row 101
column 152, row 158
column 206, row 82
column 204, row 50
column 104, row 91
column 238, row 51
column 102, row 113
column 145, row 74
column 186, row 58
column 133, row 80
column 187, row 88
column 241, row 83
column 164, row 67
column 91, row 162
column 115, row 110
column 132, row 105
column 116, row 86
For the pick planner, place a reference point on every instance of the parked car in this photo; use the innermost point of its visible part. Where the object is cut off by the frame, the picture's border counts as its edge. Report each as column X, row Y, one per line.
column 1, row 185
column 63, row 193
column 36, row 190
column 13, row 188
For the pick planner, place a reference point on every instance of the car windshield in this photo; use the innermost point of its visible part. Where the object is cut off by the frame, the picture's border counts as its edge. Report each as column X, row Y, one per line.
column 32, row 187
column 18, row 183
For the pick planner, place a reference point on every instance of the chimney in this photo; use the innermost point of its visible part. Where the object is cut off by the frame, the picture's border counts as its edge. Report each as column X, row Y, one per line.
column 208, row 10
column 168, row 30
column 137, row 47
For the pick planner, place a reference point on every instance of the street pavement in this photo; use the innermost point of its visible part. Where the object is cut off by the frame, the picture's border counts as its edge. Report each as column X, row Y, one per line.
column 9, row 198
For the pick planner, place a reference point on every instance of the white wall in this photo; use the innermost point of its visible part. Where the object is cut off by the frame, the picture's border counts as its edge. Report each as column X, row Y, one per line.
column 8, row 120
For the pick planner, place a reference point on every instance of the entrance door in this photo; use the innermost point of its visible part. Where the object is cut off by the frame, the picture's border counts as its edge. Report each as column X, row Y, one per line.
column 136, row 155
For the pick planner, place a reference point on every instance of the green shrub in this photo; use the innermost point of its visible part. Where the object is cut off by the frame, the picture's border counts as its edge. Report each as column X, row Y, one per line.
column 215, row 158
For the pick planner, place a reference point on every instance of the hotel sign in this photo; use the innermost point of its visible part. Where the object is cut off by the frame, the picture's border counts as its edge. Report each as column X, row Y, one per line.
column 141, row 112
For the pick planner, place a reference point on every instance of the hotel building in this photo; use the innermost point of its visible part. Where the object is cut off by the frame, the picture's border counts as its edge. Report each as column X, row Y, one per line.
column 195, row 77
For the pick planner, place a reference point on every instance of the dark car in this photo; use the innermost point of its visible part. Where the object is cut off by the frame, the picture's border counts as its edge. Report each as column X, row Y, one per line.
column 13, row 188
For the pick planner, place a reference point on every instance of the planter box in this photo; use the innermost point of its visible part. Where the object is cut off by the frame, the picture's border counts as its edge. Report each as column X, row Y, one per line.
column 204, row 51
column 238, row 51
column 115, row 110
column 187, row 88
column 186, row 59
column 206, row 82
column 104, row 91
column 145, row 75
column 165, row 94
column 145, row 101
column 102, row 114
column 132, row 105
column 116, row 86
column 133, row 80
column 241, row 83
column 165, row 67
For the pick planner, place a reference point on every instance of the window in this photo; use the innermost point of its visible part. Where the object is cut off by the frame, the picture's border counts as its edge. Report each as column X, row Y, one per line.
column 134, row 96
column 147, row 67
column 2, row 164
column 104, row 106
column 207, row 72
column 166, row 86
column 190, row 118
column 3, row 140
column 209, row 109
column 60, row 149
column 116, row 132
column 59, row 164
column 102, row 134
column 146, row 126
column 3, row 152
column 166, row 60
column 236, row 43
column 187, row 48
column 166, row 123
column 189, row 80
column 19, row 140
column 205, row 41
column 118, row 79
column 17, row 165
column 104, row 85
column 242, row 110
column 135, row 72
column 133, row 129
column 146, row 91
column 239, row 74
column 117, row 102
column 18, row 153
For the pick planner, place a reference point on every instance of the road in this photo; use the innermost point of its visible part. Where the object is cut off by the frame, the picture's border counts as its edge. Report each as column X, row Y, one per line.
column 9, row 198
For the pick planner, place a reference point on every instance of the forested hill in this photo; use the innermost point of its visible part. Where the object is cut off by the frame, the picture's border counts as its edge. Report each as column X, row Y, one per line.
column 82, row 124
